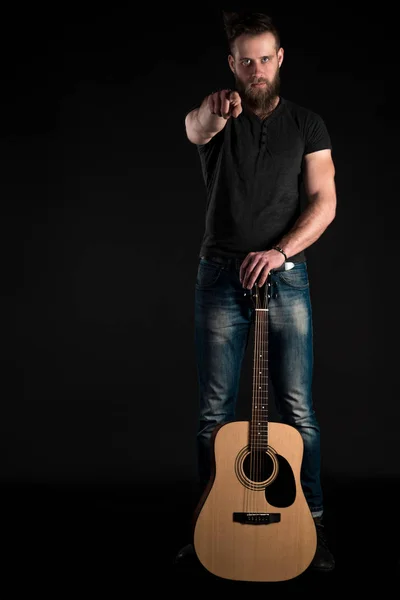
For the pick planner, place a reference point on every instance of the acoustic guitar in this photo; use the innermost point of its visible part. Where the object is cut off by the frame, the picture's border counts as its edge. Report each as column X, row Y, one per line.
column 253, row 522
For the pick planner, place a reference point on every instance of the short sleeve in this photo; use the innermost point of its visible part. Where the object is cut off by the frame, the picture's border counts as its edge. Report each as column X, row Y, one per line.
column 215, row 142
column 317, row 135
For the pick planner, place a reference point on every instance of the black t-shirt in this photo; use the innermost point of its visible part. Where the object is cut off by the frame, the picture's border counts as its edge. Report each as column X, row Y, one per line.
column 252, row 171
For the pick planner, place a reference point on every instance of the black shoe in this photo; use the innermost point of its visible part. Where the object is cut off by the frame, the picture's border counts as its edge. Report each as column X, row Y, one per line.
column 323, row 559
column 185, row 554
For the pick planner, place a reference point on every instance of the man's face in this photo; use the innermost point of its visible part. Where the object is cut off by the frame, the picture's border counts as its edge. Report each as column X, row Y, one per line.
column 255, row 64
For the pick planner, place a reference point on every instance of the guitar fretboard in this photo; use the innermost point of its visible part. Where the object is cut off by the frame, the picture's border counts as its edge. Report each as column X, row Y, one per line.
column 259, row 420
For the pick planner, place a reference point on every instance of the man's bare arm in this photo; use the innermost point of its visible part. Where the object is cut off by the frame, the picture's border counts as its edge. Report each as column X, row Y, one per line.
column 211, row 117
column 319, row 184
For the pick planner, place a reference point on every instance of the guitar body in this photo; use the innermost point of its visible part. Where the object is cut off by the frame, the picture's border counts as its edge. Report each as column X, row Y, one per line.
column 253, row 522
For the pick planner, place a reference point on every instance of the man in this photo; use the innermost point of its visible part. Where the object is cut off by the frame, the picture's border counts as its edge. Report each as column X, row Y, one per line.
column 256, row 150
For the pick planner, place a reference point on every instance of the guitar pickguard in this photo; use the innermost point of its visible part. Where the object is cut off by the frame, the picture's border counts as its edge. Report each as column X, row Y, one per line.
column 281, row 492
column 268, row 470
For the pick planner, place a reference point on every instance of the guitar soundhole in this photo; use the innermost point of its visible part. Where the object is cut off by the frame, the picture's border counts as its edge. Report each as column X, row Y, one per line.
column 256, row 469
column 258, row 466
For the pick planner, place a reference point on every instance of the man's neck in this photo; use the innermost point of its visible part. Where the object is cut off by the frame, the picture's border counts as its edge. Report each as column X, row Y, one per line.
column 264, row 113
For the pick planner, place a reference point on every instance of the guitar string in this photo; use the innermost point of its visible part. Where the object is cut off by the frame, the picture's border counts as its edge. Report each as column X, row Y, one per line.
column 253, row 446
column 258, row 398
column 254, row 417
column 261, row 373
column 266, row 330
column 265, row 373
column 255, row 432
column 259, row 356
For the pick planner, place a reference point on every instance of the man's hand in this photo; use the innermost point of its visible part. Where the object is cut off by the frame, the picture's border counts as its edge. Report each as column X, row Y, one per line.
column 225, row 103
column 257, row 265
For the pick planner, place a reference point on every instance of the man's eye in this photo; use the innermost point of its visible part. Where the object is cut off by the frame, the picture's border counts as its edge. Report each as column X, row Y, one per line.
column 246, row 61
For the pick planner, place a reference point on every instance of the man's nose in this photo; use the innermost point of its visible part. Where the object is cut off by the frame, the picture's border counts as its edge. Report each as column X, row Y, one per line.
column 257, row 70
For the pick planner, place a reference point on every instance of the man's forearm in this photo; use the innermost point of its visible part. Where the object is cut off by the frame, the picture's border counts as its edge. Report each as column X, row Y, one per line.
column 311, row 224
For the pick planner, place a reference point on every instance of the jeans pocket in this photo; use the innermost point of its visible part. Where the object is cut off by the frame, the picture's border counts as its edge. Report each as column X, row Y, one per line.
column 296, row 278
column 207, row 274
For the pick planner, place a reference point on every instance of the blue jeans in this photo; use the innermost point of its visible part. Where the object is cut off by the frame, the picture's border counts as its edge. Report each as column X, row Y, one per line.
column 223, row 317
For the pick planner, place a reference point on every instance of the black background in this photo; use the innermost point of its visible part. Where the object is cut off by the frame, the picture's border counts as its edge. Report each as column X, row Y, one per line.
column 102, row 217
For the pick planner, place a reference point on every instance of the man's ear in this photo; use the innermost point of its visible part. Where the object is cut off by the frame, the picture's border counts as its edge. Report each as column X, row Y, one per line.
column 281, row 54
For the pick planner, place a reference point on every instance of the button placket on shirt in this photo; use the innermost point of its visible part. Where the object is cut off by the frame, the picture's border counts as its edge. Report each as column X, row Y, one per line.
column 263, row 133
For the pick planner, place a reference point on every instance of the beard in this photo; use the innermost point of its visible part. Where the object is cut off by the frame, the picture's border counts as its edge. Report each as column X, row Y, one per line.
column 261, row 100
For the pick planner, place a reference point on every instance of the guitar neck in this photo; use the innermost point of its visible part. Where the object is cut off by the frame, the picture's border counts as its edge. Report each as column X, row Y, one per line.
column 259, row 414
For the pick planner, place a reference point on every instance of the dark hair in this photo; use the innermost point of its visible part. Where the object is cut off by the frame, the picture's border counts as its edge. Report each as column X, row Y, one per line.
column 237, row 23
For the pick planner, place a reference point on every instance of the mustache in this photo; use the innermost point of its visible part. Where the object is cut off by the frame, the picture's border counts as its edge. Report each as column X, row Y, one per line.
column 259, row 80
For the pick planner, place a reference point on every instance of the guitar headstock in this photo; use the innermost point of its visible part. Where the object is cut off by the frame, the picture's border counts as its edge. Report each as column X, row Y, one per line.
column 259, row 295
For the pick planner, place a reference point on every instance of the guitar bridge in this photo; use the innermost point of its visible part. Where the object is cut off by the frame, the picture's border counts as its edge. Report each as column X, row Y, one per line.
column 250, row 518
